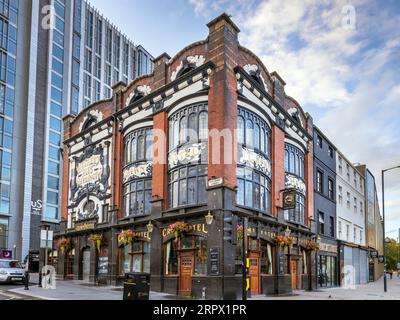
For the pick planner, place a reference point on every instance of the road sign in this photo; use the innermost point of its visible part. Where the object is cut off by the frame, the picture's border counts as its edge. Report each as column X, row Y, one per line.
column 46, row 239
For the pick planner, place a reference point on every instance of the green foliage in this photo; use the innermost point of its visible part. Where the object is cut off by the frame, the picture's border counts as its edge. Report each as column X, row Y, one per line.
column 392, row 254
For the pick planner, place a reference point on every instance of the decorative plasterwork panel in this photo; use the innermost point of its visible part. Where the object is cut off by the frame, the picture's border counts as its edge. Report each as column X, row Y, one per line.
column 295, row 112
column 91, row 114
column 195, row 60
column 255, row 69
column 145, row 90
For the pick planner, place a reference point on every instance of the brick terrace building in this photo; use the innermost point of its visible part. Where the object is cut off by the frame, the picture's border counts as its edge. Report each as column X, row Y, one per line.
column 115, row 178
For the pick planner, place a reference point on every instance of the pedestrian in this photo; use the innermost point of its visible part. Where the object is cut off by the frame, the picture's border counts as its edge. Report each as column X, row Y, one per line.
column 391, row 274
column 398, row 269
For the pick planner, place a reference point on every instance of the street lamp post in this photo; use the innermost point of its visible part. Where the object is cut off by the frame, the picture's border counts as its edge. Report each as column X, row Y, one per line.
column 383, row 236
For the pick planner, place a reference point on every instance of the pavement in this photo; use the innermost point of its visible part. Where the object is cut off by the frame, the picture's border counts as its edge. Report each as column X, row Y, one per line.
column 370, row 291
column 76, row 290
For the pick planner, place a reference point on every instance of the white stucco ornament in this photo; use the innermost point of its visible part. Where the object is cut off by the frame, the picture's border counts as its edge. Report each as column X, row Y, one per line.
column 145, row 90
column 92, row 113
column 253, row 68
column 195, row 60
column 295, row 112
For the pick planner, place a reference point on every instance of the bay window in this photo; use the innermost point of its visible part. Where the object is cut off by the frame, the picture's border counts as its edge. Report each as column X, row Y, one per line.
column 138, row 151
column 294, row 168
column 253, row 171
column 188, row 140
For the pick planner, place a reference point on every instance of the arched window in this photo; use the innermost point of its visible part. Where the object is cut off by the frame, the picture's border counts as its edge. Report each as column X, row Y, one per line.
column 137, row 191
column 192, row 129
column 203, row 125
column 263, row 146
column 287, row 161
column 241, row 130
column 140, row 148
column 254, row 184
column 149, row 146
column 294, row 160
column 188, row 179
column 133, row 150
column 89, row 123
column 257, row 137
column 176, row 133
column 249, row 133
column 182, row 130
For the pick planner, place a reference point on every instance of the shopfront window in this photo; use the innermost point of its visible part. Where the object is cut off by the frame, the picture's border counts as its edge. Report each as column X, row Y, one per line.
column 327, row 271
column 171, row 258
column 267, row 254
column 135, row 257
column 3, row 233
column 196, row 244
column 70, row 257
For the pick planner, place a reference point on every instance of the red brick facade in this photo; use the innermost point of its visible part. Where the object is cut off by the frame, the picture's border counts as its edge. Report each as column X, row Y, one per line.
column 225, row 69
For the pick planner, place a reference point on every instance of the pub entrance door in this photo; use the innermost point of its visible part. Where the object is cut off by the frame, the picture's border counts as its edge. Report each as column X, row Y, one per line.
column 186, row 267
column 293, row 271
column 86, row 264
column 255, row 273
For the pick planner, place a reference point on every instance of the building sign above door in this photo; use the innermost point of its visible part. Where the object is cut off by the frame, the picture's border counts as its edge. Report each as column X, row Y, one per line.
column 138, row 170
column 85, row 225
column 293, row 182
column 257, row 161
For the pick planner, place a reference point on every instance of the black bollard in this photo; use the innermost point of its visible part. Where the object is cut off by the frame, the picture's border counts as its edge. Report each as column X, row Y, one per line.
column 26, row 280
column 40, row 280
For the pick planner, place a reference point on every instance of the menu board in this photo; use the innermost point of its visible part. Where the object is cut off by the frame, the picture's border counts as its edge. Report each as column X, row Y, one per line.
column 103, row 265
column 214, row 261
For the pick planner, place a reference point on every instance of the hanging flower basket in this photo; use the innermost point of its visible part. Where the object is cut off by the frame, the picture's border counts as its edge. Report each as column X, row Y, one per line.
column 126, row 237
column 179, row 229
column 283, row 241
column 240, row 232
column 312, row 246
column 98, row 240
column 63, row 244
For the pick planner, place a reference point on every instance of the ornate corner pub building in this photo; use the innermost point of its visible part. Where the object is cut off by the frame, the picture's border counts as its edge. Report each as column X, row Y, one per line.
column 151, row 157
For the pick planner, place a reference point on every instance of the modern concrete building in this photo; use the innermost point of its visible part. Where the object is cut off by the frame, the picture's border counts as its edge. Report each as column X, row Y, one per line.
column 57, row 57
column 350, row 186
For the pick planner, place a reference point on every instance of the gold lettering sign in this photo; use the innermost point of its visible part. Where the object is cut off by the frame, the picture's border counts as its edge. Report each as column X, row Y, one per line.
column 186, row 155
column 293, row 182
column 85, row 226
column 143, row 234
column 256, row 161
column 89, row 171
column 197, row 227
column 137, row 171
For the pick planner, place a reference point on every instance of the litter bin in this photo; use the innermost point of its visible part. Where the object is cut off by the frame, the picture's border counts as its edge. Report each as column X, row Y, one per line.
column 137, row 286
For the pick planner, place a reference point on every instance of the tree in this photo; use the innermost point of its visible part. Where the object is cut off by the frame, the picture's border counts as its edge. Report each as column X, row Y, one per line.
column 392, row 254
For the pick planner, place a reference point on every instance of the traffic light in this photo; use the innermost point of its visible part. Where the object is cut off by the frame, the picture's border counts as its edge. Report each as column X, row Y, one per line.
column 230, row 228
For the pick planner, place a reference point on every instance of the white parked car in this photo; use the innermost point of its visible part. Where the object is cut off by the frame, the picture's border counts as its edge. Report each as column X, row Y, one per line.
column 11, row 271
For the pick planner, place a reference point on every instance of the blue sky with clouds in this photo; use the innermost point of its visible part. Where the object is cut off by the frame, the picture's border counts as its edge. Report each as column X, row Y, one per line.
column 346, row 76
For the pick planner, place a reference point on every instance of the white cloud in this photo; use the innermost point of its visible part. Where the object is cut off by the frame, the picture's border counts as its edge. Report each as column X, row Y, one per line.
column 348, row 78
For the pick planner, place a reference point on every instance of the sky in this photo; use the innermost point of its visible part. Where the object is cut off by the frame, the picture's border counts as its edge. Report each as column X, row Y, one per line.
column 339, row 58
